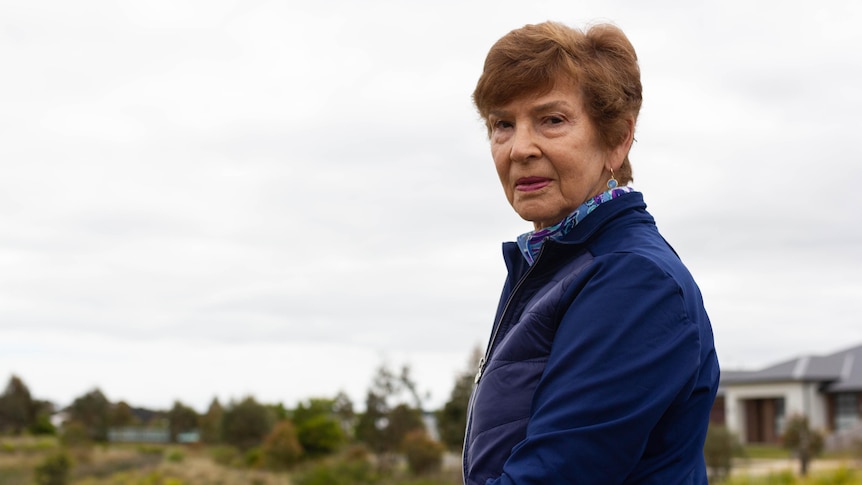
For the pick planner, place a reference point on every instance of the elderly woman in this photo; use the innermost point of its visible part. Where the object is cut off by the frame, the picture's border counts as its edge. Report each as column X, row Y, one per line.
column 601, row 367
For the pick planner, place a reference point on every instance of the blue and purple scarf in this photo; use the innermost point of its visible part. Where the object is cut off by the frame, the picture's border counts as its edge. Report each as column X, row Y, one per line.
column 531, row 242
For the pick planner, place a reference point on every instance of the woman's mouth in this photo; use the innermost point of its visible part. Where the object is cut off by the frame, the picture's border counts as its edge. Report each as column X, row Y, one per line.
column 530, row 184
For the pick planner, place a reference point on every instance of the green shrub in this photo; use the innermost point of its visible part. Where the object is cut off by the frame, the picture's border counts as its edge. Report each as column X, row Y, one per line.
column 320, row 435
column 253, row 457
column 175, row 456
column 718, row 450
column 55, row 469
column 424, row 455
column 43, row 426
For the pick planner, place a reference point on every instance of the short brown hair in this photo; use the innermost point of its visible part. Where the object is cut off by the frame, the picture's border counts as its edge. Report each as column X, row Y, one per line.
column 601, row 62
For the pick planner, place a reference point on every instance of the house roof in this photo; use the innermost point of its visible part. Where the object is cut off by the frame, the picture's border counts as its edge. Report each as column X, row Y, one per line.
column 838, row 372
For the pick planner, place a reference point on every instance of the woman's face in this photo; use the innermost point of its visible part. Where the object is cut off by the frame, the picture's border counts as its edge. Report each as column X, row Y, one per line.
column 548, row 156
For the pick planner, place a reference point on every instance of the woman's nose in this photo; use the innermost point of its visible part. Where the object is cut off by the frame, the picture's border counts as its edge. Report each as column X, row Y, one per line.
column 524, row 147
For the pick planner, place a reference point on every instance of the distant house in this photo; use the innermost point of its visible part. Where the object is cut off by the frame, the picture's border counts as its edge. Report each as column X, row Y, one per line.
column 133, row 434
column 827, row 389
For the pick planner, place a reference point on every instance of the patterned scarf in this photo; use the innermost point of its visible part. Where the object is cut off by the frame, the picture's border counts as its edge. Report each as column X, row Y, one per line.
column 531, row 242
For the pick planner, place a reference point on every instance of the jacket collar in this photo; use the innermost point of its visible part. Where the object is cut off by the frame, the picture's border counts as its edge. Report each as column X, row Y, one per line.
column 603, row 215
column 598, row 219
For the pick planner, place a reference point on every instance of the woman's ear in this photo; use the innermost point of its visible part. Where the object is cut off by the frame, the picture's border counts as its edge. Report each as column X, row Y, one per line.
column 618, row 153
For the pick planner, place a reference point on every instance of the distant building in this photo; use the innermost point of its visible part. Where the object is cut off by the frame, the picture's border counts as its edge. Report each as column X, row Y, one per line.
column 827, row 389
column 131, row 434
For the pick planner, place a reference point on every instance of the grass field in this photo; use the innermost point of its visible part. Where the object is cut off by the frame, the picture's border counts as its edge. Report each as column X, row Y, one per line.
column 182, row 465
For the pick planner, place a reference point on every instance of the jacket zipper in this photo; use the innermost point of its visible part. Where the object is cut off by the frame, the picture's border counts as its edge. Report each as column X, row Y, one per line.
column 484, row 360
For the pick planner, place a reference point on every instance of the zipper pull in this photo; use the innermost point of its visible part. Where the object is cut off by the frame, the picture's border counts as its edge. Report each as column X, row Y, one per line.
column 481, row 368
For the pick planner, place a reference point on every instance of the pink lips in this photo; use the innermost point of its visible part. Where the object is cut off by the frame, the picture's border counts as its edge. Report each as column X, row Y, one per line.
column 530, row 184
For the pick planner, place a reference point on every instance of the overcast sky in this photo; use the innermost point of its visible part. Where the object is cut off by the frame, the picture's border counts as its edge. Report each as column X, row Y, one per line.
column 225, row 198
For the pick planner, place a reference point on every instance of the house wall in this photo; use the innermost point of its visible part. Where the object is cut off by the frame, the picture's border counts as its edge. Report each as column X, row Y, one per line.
column 799, row 398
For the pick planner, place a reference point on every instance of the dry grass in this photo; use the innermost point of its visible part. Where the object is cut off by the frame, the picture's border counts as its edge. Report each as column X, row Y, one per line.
column 201, row 470
column 162, row 465
column 129, row 466
column 192, row 471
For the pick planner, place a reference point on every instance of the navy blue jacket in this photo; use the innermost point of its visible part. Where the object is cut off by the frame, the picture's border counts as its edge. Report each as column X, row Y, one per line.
column 601, row 367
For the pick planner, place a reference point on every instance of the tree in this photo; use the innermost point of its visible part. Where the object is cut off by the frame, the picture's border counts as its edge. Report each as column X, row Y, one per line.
column 403, row 420
column 246, row 423
column 278, row 412
column 92, row 410
column 805, row 442
column 342, row 406
column 181, row 419
column 17, row 410
column 320, row 435
column 281, row 448
column 122, row 415
column 370, row 429
column 318, row 427
column 388, row 415
column 210, row 423
column 43, row 425
column 311, row 408
column 452, row 418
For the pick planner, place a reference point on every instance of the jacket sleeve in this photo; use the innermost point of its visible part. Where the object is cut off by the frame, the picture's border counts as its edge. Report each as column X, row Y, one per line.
column 624, row 351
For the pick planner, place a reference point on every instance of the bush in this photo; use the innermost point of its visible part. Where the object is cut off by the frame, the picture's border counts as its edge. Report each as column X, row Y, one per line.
column 718, row 451
column 176, row 456
column 424, row 455
column 54, row 470
column 43, row 426
column 320, row 435
column 805, row 442
column 253, row 458
column 281, row 448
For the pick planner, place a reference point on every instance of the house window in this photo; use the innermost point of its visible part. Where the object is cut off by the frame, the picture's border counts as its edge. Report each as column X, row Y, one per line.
column 846, row 411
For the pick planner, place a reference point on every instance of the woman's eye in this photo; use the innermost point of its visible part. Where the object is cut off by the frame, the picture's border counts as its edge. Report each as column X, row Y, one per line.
column 554, row 120
column 501, row 124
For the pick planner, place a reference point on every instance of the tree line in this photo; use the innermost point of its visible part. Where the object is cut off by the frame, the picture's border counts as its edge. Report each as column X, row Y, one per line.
column 393, row 421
